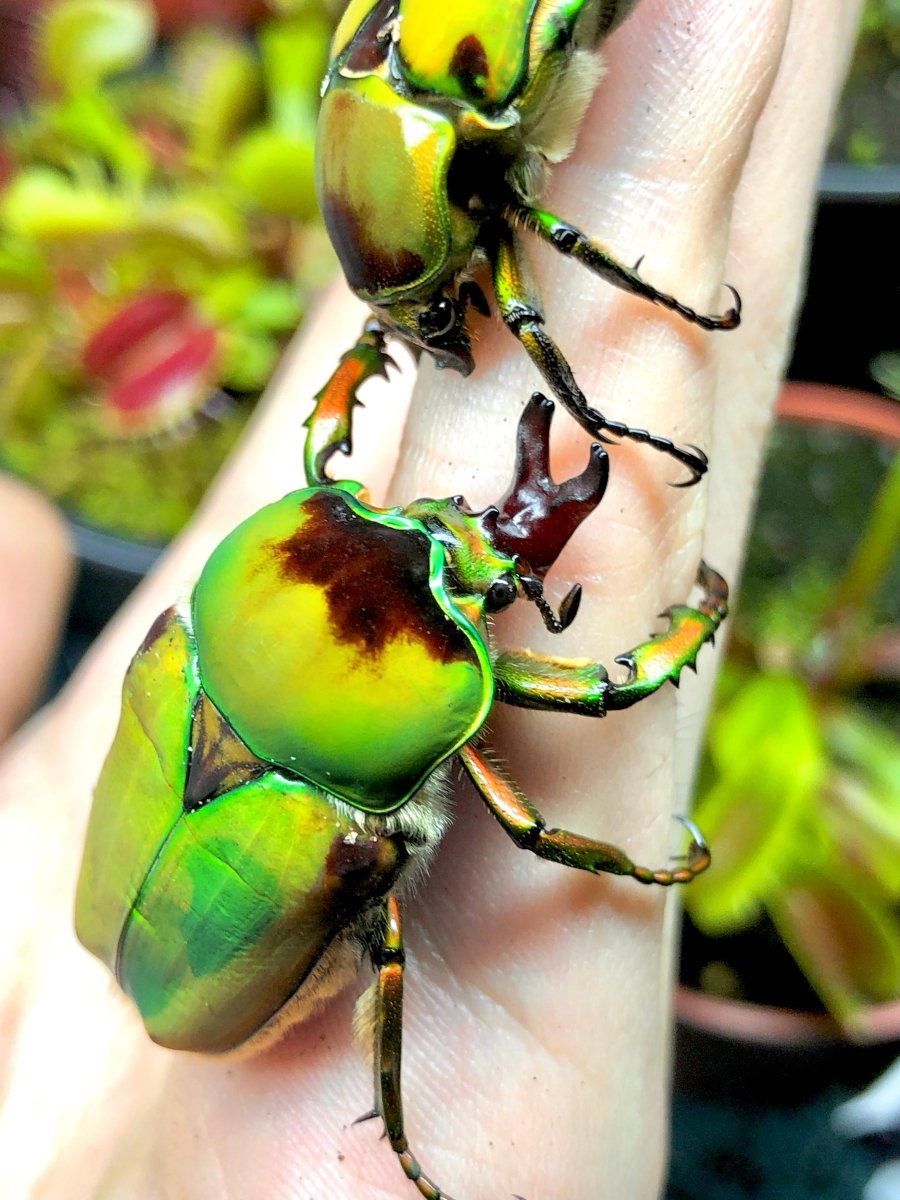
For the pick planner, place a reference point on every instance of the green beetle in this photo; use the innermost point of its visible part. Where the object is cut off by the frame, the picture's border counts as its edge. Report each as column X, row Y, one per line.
column 278, row 776
column 433, row 140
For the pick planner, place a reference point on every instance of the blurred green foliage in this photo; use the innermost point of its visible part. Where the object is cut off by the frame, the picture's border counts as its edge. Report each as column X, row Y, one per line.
column 159, row 243
column 799, row 791
column 867, row 125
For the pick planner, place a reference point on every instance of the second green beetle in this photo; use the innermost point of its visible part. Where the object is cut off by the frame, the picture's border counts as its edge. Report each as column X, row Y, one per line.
column 434, row 137
column 278, row 779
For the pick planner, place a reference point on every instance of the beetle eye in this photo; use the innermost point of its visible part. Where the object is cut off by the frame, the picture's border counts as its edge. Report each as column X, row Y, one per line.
column 437, row 320
column 499, row 595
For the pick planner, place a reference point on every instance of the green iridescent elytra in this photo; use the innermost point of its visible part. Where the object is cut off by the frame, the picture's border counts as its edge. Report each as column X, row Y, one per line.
column 277, row 781
column 325, row 631
column 210, row 916
column 435, row 135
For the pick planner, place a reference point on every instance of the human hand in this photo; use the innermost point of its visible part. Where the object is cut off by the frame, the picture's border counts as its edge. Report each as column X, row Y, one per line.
column 537, row 999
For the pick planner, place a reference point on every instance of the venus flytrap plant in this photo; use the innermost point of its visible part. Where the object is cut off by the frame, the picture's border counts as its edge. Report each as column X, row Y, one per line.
column 800, row 790
column 866, row 123
column 152, row 262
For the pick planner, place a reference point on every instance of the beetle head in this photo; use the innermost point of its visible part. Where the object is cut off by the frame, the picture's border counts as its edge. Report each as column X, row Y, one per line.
column 478, row 572
column 382, row 178
column 438, row 325
column 503, row 553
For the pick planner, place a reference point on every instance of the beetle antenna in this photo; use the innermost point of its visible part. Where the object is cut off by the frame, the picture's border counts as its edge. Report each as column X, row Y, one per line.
column 568, row 610
column 551, row 620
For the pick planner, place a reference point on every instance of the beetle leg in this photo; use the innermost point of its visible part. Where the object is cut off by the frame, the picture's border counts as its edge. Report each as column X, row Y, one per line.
column 525, row 320
column 572, row 242
column 330, row 425
column 554, row 684
column 527, row 828
column 388, row 959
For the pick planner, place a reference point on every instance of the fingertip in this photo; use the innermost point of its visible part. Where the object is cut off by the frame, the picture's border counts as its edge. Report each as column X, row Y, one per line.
column 36, row 574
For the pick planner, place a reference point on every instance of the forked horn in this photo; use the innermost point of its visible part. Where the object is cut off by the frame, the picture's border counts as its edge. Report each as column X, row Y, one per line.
column 537, row 516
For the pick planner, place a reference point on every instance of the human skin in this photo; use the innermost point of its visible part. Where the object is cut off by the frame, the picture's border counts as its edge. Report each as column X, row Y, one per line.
column 35, row 577
column 538, row 999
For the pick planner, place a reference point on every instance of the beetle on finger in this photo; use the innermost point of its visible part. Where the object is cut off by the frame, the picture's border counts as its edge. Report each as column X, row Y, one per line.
column 278, row 778
column 433, row 145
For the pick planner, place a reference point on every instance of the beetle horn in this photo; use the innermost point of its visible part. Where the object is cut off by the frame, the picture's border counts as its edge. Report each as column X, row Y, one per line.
column 537, row 516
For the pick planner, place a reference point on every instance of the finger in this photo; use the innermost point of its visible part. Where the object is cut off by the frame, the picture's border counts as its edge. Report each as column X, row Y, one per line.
column 575, row 973
column 278, row 1114
column 774, row 202
column 686, row 86
column 36, row 568
column 773, row 207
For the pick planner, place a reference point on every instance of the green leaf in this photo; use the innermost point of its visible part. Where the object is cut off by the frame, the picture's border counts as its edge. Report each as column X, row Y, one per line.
column 865, row 147
column 295, row 8
column 844, row 937
column 256, row 304
column 248, row 360
column 201, row 218
column 868, row 566
column 25, row 376
column 768, row 763
column 43, row 204
column 88, row 120
column 221, row 83
column 273, row 307
column 83, row 42
column 274, row 171
column 855, row 819
column 295, row 55
column 21, row 264
column 768, row 709
column 873, row 751
column 886, row 371
column 863, row 806
column 789, row 617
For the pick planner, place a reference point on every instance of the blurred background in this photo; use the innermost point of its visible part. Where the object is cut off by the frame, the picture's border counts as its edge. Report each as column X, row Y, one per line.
column 159, row 245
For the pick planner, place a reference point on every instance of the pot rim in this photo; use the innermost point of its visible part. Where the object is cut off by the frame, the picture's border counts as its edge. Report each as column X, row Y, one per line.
column 743, row 1021
column 826, row 404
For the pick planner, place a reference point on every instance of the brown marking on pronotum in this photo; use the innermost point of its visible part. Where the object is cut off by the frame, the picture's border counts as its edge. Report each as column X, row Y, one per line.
column 375, row 580
column 470, row 67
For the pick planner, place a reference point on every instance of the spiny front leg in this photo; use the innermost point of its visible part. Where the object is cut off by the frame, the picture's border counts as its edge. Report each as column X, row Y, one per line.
column 581, row 686
column 389, row 960
column 330, row 425
column 569, row 240
column 528, row 829
column 524, row 319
